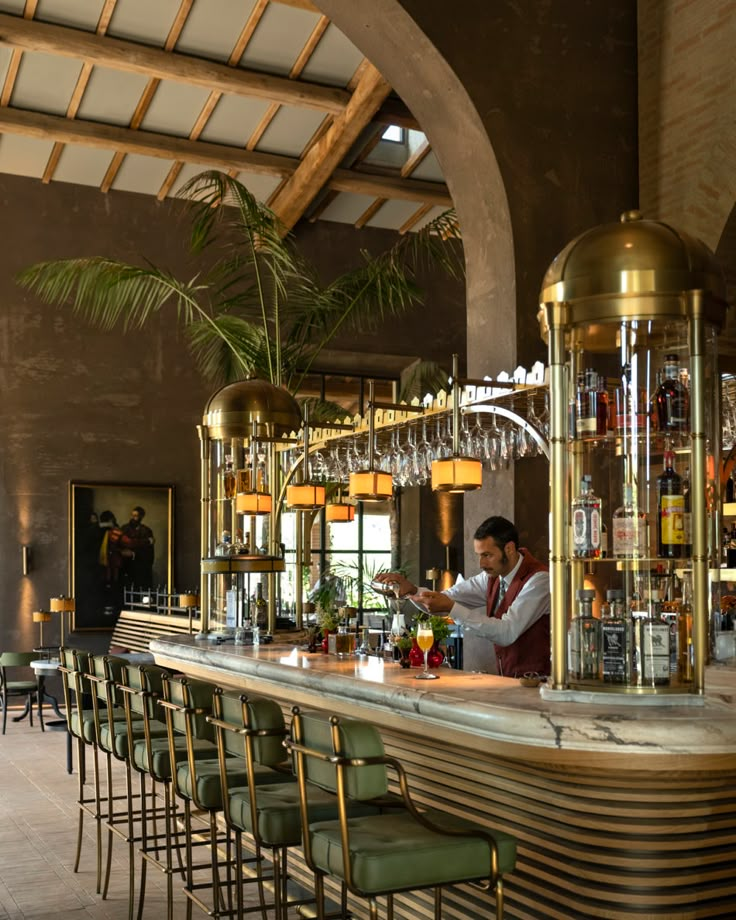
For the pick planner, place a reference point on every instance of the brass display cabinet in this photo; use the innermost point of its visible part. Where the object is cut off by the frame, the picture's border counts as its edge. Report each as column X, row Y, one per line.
column 631, row 312
column 244, row 425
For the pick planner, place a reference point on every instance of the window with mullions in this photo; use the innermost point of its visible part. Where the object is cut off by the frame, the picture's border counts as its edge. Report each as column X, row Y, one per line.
column 354, row 551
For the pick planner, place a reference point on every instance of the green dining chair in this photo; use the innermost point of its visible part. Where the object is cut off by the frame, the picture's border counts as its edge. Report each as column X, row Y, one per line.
column 19, row 687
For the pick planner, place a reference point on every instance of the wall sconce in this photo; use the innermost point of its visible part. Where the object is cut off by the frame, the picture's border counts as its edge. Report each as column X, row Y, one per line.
column 25, row 552
column 456, row 473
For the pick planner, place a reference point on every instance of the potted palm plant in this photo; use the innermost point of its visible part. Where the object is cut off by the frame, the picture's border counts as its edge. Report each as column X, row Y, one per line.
column 254, row 306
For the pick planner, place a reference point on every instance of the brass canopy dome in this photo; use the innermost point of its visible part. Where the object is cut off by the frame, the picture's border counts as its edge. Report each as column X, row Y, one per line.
column 251, row 408
column 635, row 267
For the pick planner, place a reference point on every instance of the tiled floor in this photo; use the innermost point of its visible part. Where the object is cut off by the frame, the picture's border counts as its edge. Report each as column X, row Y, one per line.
column 38, row 826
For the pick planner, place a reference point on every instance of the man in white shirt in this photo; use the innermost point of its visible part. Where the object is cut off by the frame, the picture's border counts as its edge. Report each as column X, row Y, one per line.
column 507, row 602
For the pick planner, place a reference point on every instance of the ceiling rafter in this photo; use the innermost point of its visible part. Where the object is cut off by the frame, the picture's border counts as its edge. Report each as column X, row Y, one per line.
column 218, row 156
column 256, row 14
column 326, row 199
column 144, row 103
column 29, row 11
column 132, row 57
column 324, row 156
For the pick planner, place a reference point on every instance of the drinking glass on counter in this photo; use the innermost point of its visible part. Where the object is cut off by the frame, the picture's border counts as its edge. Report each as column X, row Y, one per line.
column 425, row 641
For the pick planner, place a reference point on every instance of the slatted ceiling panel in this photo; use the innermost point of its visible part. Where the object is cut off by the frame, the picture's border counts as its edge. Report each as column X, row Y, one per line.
column 5, row 56
column 141, row 174
column 347, row 207
column 70, row 13
column 260, row 186
column 279, row 39
column 428, row 169
column 111, row 96
column 45, row 82
column 82, row 165
column 234, row 120
column 289, row 131
column 144, row 21
column 211, row 27
column 24, row 156
column 174, row 108
column 334, row 60
column 392, row 214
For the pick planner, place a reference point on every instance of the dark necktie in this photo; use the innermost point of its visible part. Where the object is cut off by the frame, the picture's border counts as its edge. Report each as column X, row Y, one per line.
column 501, row 592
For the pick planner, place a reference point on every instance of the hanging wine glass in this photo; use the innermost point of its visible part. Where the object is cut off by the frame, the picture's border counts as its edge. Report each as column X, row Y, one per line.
column 424, row 456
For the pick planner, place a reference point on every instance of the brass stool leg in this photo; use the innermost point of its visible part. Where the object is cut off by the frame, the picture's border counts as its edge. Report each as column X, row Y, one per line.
column 110, row 817
column 80, row 801
column 438, row 903
column 144, row 841
column 389, row 907
column 319, row 894
column 499, row 899
column 98, row 815
column 373, row 905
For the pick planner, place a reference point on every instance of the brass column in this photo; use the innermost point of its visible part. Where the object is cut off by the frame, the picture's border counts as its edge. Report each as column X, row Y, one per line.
column 699, row 558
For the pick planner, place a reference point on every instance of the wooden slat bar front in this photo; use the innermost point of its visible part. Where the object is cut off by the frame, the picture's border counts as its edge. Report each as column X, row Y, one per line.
column 622, row 812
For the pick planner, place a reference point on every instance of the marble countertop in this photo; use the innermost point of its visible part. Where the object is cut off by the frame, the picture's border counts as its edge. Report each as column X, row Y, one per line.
column 495, row 708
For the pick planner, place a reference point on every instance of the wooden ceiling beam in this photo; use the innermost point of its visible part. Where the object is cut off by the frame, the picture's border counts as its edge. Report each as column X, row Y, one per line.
column 212, row 156
column 181, row 68
column 394, row 112
column 324, row 156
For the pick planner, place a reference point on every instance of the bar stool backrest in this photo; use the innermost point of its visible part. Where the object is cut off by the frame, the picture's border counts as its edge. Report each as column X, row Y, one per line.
column 74, row 664
column 323, row 736
column 146, row 678
column 256, row 714
column 194, row 696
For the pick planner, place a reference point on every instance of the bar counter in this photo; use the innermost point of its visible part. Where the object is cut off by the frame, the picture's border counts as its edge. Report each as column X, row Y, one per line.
column 621, row 811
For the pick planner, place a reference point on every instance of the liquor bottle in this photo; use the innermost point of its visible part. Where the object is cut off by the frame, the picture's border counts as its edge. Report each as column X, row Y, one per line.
column 631, row 415
column 601, row 406
column 615, row 639
column 629, row 528
column 670, row 511
column 604, row 541
column 687, row 518
column 586, row 418
column 729, row 488
column 653, row 646
column 224, row 547
column 585, row 639
column 685, row 659
column 228, row 478
column 672, row 400
column 261, row 608
column 586, row 522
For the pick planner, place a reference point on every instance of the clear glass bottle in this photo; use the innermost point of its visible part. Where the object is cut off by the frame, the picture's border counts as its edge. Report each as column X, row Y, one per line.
column 670, row 510
column 585, row 639
column 224, row 547
column 653, row 646
column 672, row 399
column 586, row 522
column 629, row 528
column 615, row 639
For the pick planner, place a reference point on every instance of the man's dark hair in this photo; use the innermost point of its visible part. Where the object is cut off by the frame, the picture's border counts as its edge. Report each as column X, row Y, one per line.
column 141, row 511
column 499, row 529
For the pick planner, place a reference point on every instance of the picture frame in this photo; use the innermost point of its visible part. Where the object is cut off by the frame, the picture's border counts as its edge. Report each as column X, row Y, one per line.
column 112, row 546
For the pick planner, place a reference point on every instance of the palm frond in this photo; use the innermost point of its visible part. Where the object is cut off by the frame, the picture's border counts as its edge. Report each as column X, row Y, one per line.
column 421, row 378
column 229, row 348
column 438, row 244
column 108, row 293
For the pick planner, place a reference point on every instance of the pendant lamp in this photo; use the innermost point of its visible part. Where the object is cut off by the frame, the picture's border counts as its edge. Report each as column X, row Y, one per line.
column 456, row 473
column 305, row 495
column 339, row 511
column 371, row 485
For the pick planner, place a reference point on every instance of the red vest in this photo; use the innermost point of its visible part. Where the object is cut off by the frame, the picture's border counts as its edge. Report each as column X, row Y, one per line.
column 531, row 651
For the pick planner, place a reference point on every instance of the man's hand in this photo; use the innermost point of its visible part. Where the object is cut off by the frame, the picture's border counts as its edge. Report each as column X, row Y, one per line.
column 396, row 578
column 434, row 601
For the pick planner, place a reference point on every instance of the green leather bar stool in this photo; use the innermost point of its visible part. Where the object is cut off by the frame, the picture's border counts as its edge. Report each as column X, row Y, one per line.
column 145, row 748
column 111, row 735
column 384, row 854
column 74, row 665
column 253, row 728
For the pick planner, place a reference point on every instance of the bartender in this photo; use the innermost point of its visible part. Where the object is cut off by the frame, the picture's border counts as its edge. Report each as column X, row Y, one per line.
column 507, row 602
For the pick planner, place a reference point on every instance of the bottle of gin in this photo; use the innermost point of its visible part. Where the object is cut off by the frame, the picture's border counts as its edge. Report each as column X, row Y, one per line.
column 670, row 510
column 629, row 528
column 615, row 639
column 224, row 547
column 585, row 639
column 261, row 608
column 586, row 522
column 672, row 400
column 653, row 646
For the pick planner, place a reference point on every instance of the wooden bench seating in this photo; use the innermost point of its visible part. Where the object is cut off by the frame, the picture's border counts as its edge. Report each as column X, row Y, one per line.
column 135, row 629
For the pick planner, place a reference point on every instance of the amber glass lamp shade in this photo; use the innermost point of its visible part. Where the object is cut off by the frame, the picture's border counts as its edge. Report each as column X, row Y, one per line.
column 253, row 503
column 457, row 474
column 62, row 604
column 189, row 600
column 339, row 513
column 305, row 496
column 371, row 486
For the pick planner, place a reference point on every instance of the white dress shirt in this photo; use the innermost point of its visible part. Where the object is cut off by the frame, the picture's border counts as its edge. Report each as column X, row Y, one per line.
column 530, row 604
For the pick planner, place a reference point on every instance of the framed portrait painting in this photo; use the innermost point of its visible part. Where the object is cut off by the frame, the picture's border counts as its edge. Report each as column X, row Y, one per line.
column 120, row 537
